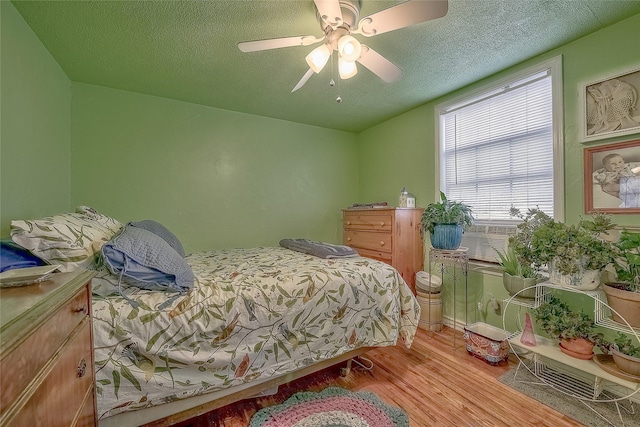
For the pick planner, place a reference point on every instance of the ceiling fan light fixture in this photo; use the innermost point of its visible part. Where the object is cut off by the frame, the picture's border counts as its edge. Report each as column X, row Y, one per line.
column 349, row 48
column 346, row 69
column 318, row 58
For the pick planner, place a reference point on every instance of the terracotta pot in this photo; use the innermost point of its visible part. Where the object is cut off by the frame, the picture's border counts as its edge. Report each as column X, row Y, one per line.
column 628, row 364
column 579, row 348
column 625, row 305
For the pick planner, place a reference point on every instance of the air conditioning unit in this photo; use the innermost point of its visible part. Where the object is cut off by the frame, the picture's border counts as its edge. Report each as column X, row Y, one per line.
column 482, row 240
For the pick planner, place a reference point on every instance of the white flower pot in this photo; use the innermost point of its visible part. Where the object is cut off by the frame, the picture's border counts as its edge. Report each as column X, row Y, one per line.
column 584, row 280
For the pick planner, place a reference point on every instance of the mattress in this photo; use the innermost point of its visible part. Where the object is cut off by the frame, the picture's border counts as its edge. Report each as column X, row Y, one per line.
column 253, row 314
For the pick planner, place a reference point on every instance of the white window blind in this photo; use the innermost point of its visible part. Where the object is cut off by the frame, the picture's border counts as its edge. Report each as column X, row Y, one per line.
column 497, row 149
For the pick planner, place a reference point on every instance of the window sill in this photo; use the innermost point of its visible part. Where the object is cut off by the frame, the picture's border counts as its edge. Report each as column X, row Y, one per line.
column 488, row 268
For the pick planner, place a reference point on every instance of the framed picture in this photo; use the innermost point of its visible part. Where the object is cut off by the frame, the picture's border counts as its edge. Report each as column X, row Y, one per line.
column 609, row 106
column 612, row 178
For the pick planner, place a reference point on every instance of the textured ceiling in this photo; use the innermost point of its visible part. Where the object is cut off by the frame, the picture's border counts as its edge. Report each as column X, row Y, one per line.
column 187, row 50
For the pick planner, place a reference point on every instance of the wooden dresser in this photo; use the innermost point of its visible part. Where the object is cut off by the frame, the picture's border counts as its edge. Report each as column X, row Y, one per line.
column 46, row 353
column 391, row 235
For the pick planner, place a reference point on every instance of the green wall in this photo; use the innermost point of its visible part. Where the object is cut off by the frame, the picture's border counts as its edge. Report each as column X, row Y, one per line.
column 35, row 132
column 216, row 178
column 606, row 52
column 400, row 152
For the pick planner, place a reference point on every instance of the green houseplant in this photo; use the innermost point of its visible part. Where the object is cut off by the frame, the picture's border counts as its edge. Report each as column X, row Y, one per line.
column 516, row 275
column 626, row 356
column 576, row 331
column 623, row 295
column 445, row 222
column 574, row 254
column 624, row 353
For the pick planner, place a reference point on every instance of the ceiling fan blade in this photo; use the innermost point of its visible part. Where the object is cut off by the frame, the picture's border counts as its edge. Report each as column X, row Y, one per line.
column 266, row 44
column 303, row 80
column 402, row 15
column 379, row 65
column 329, row 11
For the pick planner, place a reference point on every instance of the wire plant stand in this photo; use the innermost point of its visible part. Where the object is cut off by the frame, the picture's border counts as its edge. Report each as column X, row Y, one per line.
column 584, row 380
column 452, row 264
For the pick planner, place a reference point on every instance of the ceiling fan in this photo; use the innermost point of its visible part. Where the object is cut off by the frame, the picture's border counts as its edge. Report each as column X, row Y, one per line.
column 338, row 19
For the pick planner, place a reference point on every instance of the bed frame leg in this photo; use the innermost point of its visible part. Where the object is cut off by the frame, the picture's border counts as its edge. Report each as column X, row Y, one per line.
column 347, row 369
column 367, row 366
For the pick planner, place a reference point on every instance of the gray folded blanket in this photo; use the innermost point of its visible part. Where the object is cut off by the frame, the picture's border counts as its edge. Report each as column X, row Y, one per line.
column 319, row 249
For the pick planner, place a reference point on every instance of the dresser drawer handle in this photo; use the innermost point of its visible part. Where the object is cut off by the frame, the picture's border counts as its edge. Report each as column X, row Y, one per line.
column 381, row 223
column 348, row 239
column 348, row 222
column 81, row 369
column 82, row 309
column 381, row 243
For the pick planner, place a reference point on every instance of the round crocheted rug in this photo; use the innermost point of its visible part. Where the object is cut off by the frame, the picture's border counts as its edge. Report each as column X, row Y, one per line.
column 333, row 406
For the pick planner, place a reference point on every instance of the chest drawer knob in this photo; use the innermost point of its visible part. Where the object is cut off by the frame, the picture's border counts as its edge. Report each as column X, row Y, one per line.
column 82, row 368
column 82, row 309
column 348, row 239
column 381, row 243
column 381, row 223
column 348, row 222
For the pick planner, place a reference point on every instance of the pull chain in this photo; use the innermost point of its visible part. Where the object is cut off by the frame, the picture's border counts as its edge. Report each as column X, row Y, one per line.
column 339, row 98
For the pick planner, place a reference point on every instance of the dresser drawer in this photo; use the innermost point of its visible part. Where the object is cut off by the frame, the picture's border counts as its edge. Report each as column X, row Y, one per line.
column 27, row 360
column 60, row 397
column 372, row 241
column 391, row 235
column 378, row 255
column 367, row 221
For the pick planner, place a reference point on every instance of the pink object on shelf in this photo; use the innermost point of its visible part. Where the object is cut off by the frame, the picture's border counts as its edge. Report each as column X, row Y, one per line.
column 528, row 337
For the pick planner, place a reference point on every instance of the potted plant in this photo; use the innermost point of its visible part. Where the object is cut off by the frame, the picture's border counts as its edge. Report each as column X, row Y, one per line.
column 575, row 255
column 576, row 331
column 623, row 295
column 623, row 352
column 516, row 275
column 445, row 221
column 626, row 356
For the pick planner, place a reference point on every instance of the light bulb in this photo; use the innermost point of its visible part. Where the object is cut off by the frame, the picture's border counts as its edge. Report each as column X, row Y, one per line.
column 346, row 69
column 318, row 58
column 349, row 48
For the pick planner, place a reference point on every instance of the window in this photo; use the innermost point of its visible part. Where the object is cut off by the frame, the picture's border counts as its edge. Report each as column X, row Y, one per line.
column 501, row 146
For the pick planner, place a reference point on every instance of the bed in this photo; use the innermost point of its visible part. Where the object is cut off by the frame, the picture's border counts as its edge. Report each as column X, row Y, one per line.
column 253, row 319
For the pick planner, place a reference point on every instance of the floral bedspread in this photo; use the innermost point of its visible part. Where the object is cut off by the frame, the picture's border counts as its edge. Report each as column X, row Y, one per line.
column 252, row 314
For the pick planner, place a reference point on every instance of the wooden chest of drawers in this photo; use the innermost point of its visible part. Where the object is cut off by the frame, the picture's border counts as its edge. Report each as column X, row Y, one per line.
column 46, row 353
column 391, row 235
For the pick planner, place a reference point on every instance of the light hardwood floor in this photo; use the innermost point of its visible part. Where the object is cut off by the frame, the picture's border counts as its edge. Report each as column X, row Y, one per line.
column 434, row 383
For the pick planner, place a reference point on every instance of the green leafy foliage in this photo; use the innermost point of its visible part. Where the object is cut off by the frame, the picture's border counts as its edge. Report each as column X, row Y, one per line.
column 446, row 212
column 625, row 345
column 627, row 263
column 560, row 322
column 511, row 264
column 540, row 240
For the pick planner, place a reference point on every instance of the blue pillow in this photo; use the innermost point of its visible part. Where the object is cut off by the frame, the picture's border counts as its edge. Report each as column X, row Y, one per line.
column 14, row 256
column 162, row 231
column 148, row 259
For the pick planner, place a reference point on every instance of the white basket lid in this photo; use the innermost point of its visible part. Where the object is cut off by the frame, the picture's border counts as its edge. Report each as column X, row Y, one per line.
column 427, row 282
